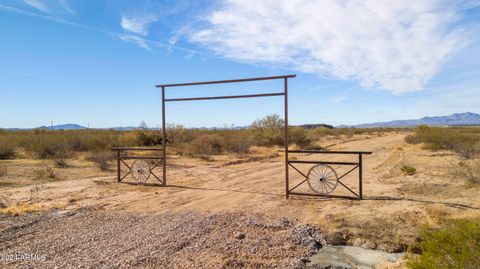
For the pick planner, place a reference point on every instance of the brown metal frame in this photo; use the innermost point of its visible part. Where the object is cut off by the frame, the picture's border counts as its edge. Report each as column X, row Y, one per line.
column 284, row 93
column 288, row 163
column 355, row 165
column 121, row 159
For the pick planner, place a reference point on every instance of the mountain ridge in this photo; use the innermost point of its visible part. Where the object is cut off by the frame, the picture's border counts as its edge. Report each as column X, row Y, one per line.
column 465, row 118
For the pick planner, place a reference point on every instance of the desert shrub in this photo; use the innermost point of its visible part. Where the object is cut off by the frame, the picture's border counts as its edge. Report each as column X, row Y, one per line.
column 269, row 130
column 60, row 162
column 148, row 138
column 7, row 151
column 408, row 170
column 299, row 137
column 239, row 142
column 464, row 141
column 457, row 245
column 101, row 159
column 44, row 172
column 470, row 171
column 178, row 134
column 3, row 170
column 206, row 145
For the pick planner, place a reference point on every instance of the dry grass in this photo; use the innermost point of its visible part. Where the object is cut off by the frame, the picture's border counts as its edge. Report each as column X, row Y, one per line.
column 3, row 170
column 101, row 160
column 45, row 172
column 21, row 209
column 470, row 171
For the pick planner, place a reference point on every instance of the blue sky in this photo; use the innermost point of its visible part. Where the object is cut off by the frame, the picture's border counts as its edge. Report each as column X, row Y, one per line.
column 357, row 61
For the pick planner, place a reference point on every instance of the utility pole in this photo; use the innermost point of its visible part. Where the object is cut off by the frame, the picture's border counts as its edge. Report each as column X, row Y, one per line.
column 51, row 128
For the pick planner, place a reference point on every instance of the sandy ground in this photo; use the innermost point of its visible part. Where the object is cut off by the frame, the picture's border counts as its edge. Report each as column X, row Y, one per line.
column 395, row 207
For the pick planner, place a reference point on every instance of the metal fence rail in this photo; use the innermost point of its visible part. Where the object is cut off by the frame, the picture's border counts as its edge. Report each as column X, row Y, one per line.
column 142, row 168
column 327, row 174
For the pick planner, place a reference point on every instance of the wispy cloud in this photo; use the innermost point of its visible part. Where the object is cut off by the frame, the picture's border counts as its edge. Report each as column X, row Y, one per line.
column 393, row 45
column 66, row 6
column 138, row 24
column 38, row 5
column 135, row 39
column 140, row 41
column 340, row 98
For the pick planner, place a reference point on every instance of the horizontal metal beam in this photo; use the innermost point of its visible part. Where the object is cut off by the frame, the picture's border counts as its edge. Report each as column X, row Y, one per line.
column 323, row 195
column 224, row 81
column 321, row 162
column 224, row 97
column 141, row 157
column 330, row 151
column 134, row 148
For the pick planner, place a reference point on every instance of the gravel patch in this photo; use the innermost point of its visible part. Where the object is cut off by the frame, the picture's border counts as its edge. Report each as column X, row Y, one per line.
column 98, row 239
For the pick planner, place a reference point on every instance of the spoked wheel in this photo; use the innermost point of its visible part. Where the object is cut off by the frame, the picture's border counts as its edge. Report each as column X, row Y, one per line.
column 140, row 170
column 322, row 179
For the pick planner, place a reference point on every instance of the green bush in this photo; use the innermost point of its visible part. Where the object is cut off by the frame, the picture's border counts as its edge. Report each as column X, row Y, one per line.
column 206, row 145
column 455, row 246
column 299, row 137
column 408, row 170
column 462, row 140
column 269, row 130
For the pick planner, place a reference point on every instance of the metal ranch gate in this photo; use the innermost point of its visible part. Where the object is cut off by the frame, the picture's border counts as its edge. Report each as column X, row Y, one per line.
column 322, row 179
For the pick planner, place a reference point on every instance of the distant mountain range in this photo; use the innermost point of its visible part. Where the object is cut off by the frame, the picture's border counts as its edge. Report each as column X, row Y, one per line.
column 466, row 118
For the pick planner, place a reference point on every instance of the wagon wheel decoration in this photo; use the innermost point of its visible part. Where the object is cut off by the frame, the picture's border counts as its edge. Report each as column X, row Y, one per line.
column 140, row 170
column 322, row 179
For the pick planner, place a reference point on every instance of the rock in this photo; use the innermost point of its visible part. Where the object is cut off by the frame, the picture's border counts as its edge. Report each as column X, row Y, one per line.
column 314, row 245
column 239, row 235
column 338, row 238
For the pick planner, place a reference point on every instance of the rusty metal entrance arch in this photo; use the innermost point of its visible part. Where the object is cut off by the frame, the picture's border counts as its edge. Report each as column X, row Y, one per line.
column 284, row 94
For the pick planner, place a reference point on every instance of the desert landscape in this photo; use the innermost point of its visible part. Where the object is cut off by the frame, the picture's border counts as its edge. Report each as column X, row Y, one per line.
column 296, row 134
column 230, row 210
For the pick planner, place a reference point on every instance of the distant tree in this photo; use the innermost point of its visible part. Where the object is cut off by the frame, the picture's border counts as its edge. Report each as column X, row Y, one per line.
column 268, row 131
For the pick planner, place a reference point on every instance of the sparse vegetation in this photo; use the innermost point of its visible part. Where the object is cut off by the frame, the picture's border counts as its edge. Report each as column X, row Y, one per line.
column 408, row 170
column 45, row 172
column 61, row 163
column 3, row 170
column 7, row 150
column 454, row 246
column 101, row 159
column 470, row 171
column 462, row 140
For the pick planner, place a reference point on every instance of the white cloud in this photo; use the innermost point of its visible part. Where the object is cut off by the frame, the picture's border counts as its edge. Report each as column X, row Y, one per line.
column 38, row 5
column 135, row 39
column 393, row 45
column 138, row 24
column 67, row 7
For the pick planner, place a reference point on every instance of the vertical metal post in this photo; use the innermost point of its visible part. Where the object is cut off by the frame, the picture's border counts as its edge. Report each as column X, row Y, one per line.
column 287, row 189
column 360, row 176
column 164, row 140
column 118, row 165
